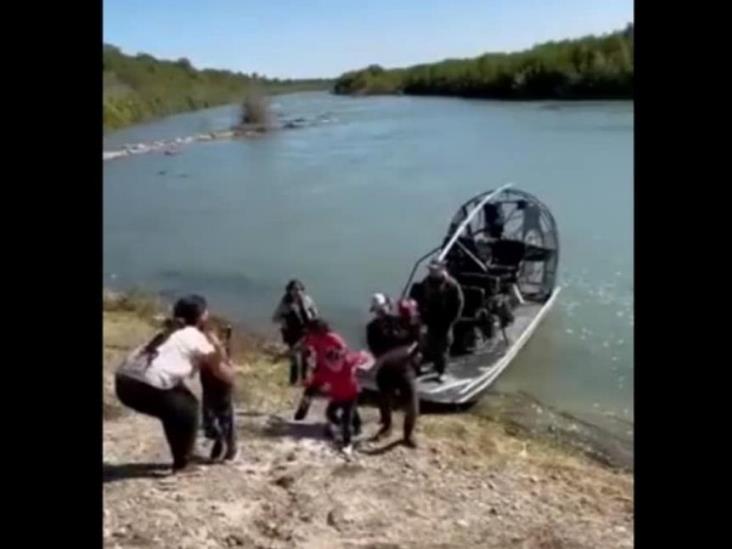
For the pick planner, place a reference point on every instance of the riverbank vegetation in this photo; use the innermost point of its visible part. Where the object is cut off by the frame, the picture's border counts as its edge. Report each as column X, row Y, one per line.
column 255, row 110
column 141, row 87
column 593, row 67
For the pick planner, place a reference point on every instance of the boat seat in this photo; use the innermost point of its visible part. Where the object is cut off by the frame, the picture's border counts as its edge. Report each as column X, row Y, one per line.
column 474, row 299
column 537, row 253
column 508, row 253
column 488, row 282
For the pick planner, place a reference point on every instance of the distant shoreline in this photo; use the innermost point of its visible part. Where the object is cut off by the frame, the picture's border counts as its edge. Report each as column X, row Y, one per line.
column 507, row 99
column 140, row 88
column 148, row 119
column 173, row 146
column 592, row 67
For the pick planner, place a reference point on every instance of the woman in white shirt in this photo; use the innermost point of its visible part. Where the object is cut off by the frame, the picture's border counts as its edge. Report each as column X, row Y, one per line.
column 151, row 380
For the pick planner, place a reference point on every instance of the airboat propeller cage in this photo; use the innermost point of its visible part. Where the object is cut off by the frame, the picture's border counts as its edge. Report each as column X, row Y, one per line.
column 507, row 214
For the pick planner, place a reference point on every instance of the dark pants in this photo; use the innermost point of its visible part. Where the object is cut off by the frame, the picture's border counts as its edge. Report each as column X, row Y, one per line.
column 438, row 344
column 349, row 418
column 218, row 416
column 298, row 368
column 176, row 408
column 393, row 379
column 298, row 365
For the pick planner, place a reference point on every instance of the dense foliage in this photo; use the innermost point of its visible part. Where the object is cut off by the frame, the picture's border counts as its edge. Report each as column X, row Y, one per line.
column 589, row 67
column 137, row 88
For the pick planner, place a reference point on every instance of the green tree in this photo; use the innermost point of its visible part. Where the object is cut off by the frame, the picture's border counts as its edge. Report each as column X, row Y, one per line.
column 590, row 67
column 140, row 87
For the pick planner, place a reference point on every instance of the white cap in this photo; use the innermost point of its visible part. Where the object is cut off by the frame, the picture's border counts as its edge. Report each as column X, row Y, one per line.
column 437, row 265
column 378, row 302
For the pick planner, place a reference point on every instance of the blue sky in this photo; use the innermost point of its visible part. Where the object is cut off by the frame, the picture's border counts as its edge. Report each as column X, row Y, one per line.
column 308, row 38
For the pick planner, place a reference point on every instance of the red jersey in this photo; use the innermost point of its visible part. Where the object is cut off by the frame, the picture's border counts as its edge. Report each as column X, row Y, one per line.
column 338, row 377
column 327, row 347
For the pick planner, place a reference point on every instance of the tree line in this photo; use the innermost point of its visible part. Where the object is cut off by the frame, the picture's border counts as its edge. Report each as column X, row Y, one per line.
column 141, row 87
column 592, row 67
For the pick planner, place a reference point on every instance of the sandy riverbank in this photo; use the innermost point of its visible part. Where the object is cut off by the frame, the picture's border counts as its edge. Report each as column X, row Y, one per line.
column 471, row 483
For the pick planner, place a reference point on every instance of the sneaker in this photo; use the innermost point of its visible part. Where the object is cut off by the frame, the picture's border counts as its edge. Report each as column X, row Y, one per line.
column 187, row 469
column 232, row 454
column 384, row 432
column 347, row 450
column 410, row 443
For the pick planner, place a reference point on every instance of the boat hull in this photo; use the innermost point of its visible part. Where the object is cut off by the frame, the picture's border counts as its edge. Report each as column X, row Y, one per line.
column 468, row 376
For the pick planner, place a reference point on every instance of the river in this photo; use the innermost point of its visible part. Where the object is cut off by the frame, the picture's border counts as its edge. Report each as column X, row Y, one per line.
column 349, row 202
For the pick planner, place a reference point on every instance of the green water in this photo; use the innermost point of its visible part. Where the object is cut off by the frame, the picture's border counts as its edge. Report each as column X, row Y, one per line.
column 350, row 202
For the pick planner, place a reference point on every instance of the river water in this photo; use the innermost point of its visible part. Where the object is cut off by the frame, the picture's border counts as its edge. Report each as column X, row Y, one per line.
column 349, row 202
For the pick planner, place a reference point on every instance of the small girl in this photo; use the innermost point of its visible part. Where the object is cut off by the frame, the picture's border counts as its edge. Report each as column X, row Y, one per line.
column 338, row 380
column 218, row 411
column 335, row 373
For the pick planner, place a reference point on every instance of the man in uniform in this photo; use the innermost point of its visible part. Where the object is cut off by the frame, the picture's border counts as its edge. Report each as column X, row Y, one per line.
column 441, row 305
column 394, row 342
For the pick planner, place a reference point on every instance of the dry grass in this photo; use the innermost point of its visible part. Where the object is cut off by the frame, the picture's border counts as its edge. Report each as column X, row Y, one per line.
column 255, row 111
column 263, row 385
column 140, row 303
column 474, row 439
column 131, row 319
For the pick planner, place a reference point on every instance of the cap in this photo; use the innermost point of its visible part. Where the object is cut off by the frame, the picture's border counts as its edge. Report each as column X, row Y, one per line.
column 437, row 265
column 378, row 301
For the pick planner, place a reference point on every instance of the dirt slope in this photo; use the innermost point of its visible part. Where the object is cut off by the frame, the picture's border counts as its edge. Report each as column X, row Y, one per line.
column 469, row 484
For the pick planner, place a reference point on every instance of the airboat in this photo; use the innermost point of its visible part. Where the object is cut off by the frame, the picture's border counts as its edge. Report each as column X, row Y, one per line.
column 502, row 247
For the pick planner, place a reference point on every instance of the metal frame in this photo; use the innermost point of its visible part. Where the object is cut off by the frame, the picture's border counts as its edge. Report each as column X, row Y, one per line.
column 469, row 218
column 470, row 209
column 414, row 270
column 460, row 229
column 468, row 389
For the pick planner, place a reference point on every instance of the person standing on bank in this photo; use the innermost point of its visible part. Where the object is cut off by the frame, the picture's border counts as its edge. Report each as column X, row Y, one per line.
column 151, row 380
column 440, row 306
column 394, row 340
column 218, row 410
column 380, row 330
column 294, row 312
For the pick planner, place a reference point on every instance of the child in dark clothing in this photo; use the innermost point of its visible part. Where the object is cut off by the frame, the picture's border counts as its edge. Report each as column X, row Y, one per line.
column 218, row 411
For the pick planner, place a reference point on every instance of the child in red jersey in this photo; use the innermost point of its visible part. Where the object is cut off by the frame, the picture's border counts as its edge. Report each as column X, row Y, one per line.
column 335, row 374
column 338, row 380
